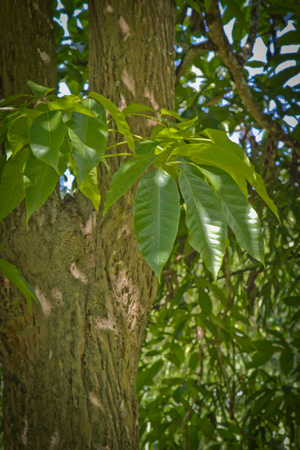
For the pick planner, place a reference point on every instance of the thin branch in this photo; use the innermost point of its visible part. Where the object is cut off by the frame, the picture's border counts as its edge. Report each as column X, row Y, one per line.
column 253, row 29
column 234, row 63
column 193, row 52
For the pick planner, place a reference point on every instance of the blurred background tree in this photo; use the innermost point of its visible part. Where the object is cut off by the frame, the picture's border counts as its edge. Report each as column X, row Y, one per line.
column 220, row 366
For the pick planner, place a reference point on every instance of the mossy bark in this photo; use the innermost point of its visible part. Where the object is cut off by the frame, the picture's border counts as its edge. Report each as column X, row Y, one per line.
column 70, row 367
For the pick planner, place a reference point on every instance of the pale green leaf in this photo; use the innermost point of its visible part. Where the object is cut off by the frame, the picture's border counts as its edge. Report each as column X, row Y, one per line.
column 125, row 176
column 89, row 187
column 64, row 106
column 46, row 137
column 166, row 112
column 13, row 275
column 17, row 133
column 136, row 108
column 204, row 218
column 118, row 117
column 40, row 181
column 214, row 155
column 156, row 217
column 12, row 184
column 238, row 212
column 88, row 141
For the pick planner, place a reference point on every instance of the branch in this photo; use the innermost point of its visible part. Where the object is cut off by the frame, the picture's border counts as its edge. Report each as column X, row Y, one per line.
column 191, row 54
column 234, row 64
column 253, row 29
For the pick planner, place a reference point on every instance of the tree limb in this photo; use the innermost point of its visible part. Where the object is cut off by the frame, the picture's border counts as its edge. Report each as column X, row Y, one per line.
column 191, row 54
column 234, row 63
column 253, row 29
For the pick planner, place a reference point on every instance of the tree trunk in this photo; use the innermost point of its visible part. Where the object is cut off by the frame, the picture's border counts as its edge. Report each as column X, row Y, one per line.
column 70, row 367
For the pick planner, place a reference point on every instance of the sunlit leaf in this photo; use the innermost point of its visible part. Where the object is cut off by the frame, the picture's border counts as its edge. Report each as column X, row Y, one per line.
column 205, row 220
column 90, row 188
column 38, row 90
column 17, row 133
column 118, row 117
column 156, row 217
column 240, row 216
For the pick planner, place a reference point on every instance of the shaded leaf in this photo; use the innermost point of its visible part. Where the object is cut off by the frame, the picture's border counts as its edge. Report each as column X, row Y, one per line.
column 125, row 176
column 12, row 184
column 89, row 143
column 13, row 275
column 46, row 137
column 40, row 182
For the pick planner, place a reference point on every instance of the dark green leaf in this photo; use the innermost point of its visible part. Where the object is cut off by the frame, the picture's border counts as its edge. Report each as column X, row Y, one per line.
column 40, row 182
column 125, row 177
column 89, row 143
column 46, row 137
column 205, row 220
column 13, row 275
column 12, row 184
column 156, row 217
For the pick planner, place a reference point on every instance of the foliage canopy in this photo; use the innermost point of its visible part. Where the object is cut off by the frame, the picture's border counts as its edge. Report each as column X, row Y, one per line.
column 220, row 366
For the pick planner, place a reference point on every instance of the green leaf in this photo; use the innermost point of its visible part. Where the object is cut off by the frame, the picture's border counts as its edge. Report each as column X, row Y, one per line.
column 259, row 359
column 40, row 182
column 118, row 117
column 145, row 376
column 238, row 212
column 12, row 183
column 67, row 106
column 166, row 112
column 11, row 98
column 46, row 137
column 286, row 361
column 146, row 147
column 99, row 112
column 13, row 275
column 125, row 176
column 89, row 143
column 17, row 133
column 205, row 302
column 292, row 301
column 204, row 219
column 89, row 187
column 214, row 155
column 136, row 108
column 38, row 90
column 156, row 217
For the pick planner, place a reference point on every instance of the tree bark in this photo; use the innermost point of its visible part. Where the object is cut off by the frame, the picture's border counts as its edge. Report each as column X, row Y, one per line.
column 70, row 367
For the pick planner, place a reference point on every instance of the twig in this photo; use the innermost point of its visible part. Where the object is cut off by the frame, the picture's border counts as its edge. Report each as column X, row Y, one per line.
column 253, row 29
column 234, row 63
column 191, row 54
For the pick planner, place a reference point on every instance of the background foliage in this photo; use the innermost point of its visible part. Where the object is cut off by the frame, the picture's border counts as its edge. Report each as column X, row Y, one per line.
column 220, row 366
